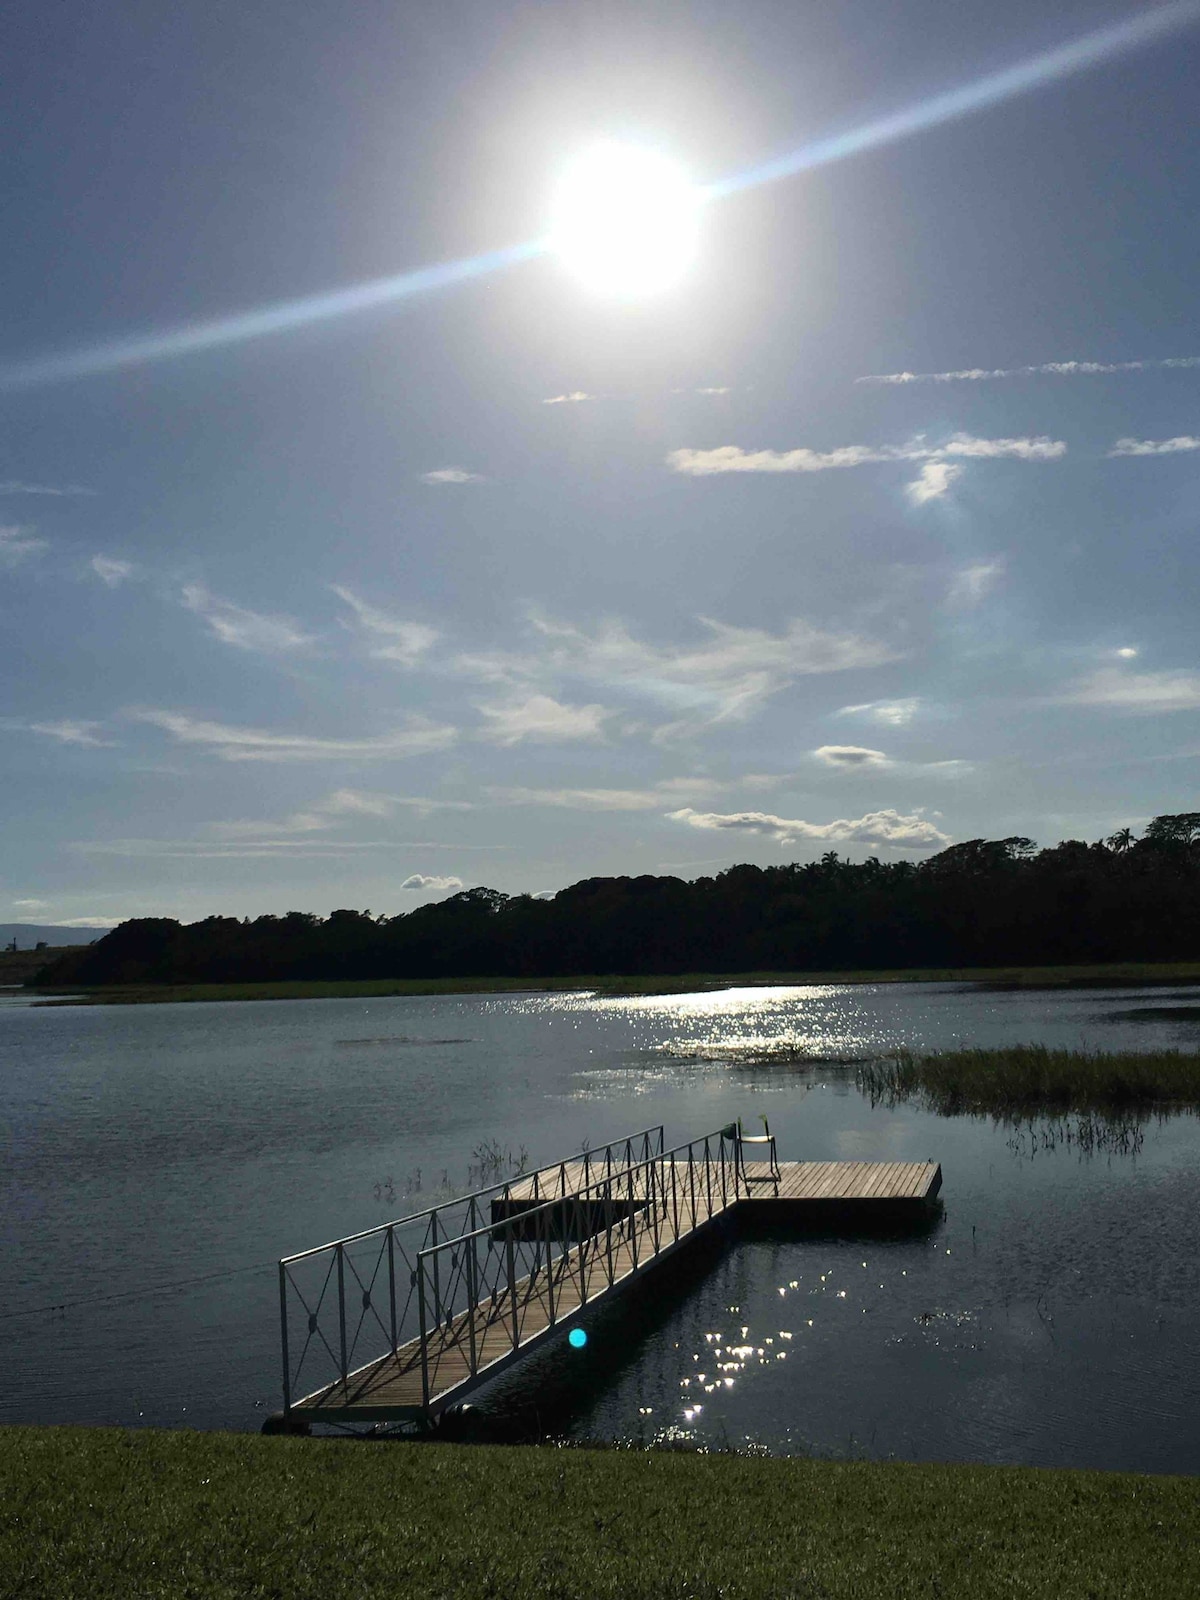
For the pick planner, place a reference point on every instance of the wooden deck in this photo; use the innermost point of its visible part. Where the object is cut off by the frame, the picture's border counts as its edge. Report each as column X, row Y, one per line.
column 423, row 1377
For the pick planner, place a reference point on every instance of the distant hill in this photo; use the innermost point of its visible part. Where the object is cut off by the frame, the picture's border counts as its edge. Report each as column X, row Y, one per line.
column 27, row 934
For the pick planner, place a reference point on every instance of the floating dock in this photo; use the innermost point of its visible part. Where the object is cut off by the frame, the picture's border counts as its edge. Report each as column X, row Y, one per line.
column 451, row 1297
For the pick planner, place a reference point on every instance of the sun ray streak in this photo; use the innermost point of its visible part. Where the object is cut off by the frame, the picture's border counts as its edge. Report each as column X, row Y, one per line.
column 1050, row 66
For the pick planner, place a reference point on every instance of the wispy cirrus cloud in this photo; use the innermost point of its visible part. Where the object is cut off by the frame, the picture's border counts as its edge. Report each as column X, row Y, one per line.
column 342, row 807
column 878, row 829
column 390, row 638
column 1155, row 447
column 651, row 798
column 426, row 883
column 451, row 475
column 242, row 628
column 257, row 744
column 732, row 458
column 111, row 571
column 17, row 544
column 540, row 719
column 69, row 731
column 17, row 486
column 1056, row 369
column 889, row 713
column 575, row 398
column 1139, row 693
column 973, row 582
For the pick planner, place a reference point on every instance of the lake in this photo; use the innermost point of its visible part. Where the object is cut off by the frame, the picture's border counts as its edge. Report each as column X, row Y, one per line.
column 155, row 1161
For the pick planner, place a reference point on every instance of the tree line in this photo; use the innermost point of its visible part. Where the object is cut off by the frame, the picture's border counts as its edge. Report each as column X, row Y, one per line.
column 985, row 902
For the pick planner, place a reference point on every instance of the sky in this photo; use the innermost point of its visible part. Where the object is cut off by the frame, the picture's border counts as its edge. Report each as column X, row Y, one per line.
column 323, row 585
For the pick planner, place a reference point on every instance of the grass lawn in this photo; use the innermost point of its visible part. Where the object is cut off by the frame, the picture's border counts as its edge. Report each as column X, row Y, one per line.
column 1118, row 975
column 106, row 1513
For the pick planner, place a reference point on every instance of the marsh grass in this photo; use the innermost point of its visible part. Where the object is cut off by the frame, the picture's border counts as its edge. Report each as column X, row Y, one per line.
column 109, row 1514
column 1099, row 1087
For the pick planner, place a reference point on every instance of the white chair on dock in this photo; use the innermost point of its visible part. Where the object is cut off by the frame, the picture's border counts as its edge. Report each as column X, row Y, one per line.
column 766, row 1137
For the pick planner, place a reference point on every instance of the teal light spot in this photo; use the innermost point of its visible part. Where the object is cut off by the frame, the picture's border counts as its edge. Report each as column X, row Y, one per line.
column 577, row 1338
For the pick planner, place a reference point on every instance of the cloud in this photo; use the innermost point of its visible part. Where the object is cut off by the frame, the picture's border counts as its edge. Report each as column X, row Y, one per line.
column 732, row 458
column 1057, row 369
column 419, row 881
column 878, row 828
column 1127, row 652
column 891, row 713
column 68, row 732
column 850, row 756
column 650, row 799
column 235, row 849
column 575, row 398
column 543, row 719
column 451, row 475
column 392, row 639
column 1155, row 447
column 31, row 905
column 1145, row 693
column 17, row 543
column 15, row 486
column 255, row 744
column 972, row 583
column 111, row 571
column 246, row 630
column 725, row 676
column 716, row 388
column 932, row 482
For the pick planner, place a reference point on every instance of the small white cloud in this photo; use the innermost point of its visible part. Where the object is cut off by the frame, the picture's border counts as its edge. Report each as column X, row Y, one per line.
column 1155, row 447
column 541, row 718
column 891, row 713
column 31, row 905
column 877, row 829
column 244, row 629
column 18, row 543
column 16, row 486
column 1147, row 693
column 422, row 883
column 69, row 732
column 451, row 475
column 258, row 744
column 732, row 458
column 392, row 638
column 932, row 482
column 972, row 583
column 1127, row 652
column 649, row 799
column 111, row 571
column 851, row 756
column 716, row 388
column 1057, row 369
column 575, row 398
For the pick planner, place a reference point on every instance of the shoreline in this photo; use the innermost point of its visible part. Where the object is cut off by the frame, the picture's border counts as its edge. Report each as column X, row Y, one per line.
column 1116, row 975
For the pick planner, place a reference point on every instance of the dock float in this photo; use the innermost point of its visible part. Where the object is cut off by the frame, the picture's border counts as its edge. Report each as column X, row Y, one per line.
column 404, row 1320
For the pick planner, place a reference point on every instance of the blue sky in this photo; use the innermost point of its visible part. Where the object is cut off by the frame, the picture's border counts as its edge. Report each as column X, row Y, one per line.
column 874, row 531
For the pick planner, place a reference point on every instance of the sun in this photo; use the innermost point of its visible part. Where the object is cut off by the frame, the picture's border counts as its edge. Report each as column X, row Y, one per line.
column 625, row 220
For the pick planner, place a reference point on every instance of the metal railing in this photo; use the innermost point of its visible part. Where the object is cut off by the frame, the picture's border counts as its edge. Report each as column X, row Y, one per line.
column 480, row 1296
column 347, row 1302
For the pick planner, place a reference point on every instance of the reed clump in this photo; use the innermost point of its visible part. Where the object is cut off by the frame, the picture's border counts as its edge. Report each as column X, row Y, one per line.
column 1026, row 1080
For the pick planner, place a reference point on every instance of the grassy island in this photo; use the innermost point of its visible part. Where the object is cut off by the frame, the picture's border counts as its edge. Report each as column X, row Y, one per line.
column 106, row 1514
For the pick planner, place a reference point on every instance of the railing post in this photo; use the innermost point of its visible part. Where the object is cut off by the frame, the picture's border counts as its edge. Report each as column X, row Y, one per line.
column 472, row 1289
column 512, row 1285
column 674, row 1197
column 391, row 1238
column 692, row 1183
column 287, row 1374
column 655, row 1221
column 724, row 1197
column 341, row 1252
column 547, row 1221
column 423, row 1327
column 708, row 1175
column 633, row 1237
column 437, row 1286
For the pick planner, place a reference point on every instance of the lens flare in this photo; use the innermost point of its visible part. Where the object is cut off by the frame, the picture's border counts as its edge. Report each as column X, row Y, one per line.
column 577, row 1338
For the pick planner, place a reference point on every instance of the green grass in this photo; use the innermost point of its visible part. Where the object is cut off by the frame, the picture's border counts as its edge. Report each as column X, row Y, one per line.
column 1031, row 1080
column 1115, row 975
column 107, row 1515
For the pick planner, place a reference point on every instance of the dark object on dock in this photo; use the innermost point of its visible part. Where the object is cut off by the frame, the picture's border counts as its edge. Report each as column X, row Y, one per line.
column 458, row 1293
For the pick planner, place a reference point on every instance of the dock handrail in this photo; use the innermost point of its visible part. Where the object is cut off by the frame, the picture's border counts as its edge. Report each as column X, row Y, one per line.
column 559, row 1254
column 319, row 1279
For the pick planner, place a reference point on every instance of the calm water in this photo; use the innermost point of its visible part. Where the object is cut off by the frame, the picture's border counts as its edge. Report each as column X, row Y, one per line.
column 1049, row 1317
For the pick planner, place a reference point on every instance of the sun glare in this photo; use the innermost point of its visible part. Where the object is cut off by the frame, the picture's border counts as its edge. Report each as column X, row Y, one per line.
column 625, row 220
